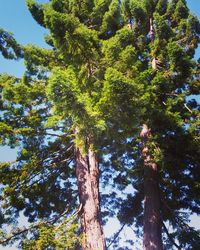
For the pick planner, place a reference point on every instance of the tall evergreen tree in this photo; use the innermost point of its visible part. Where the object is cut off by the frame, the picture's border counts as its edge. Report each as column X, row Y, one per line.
column 165, row 38
column 113, row 68
column 62, row 108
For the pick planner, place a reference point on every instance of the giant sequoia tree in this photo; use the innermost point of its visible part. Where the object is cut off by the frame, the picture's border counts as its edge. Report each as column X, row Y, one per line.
column 54, row 120
column 166, row 36
column 116, row 80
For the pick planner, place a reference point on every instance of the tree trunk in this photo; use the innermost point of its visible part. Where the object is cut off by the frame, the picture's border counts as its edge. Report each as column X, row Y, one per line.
column 87, row 173
column 152, row 239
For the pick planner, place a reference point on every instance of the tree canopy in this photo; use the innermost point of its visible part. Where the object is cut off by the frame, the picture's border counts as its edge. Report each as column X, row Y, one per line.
column 111, row 67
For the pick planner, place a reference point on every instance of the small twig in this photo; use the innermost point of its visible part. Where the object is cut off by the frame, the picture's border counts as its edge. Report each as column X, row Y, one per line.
column 185, row 105
column 116, row 235
column 51, row 134
column 171, row 94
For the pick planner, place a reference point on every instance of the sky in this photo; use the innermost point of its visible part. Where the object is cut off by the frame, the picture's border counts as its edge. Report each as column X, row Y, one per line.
column 15, row 18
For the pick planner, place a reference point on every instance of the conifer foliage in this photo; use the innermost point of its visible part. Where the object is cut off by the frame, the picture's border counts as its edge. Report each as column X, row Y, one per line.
column 117, row 79
column 9, row 47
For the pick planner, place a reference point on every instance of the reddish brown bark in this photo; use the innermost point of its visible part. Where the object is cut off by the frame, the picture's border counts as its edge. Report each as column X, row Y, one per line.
column 152, row 239
column 87, row 173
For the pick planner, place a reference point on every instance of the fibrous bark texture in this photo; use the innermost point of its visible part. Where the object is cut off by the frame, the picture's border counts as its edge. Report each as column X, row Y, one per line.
column 152, row 239
column 87, row 173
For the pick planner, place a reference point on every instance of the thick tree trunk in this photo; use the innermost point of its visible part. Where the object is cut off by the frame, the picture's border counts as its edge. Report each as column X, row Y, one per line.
column 152, row 239
column 87, row 173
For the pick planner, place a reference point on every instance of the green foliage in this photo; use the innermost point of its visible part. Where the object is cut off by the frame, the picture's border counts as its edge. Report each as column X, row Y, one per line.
column 63, row 236
column 9, row 47
column 97, row 78
column 111, row 19
column 163, row 100
column 36, row 11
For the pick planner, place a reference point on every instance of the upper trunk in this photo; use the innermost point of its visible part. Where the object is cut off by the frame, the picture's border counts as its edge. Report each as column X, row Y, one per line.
column 152, row 219
column 87, row 173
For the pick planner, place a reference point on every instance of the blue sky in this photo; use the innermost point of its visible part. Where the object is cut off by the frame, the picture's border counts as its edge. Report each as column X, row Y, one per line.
column 14, row 17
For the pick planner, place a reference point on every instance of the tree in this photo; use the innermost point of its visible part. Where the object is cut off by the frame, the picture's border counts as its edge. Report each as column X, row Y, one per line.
column 111, row 67
column 166, row 36
column 65, row 106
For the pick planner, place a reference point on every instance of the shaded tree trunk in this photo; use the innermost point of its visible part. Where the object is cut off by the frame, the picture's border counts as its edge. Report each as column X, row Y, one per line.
column 152, row 239
column 87, row 173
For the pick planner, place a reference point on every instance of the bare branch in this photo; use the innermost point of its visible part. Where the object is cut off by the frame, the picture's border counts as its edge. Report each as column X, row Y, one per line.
column 170, row 237
column 116, row 235
column 185, row 105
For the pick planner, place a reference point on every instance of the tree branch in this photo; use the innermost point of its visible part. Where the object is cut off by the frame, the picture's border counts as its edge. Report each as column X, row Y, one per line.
column 18, row 232
column 170, row 237
column 50, row 222
column 116, row 235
